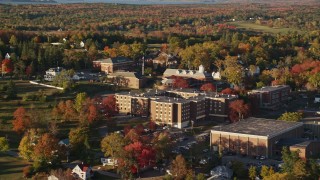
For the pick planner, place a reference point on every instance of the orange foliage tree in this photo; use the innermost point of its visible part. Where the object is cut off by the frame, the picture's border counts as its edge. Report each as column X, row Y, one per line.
column 21, row 120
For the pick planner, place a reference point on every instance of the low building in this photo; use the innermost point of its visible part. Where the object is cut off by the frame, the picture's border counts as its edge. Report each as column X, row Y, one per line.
column 111, row 65
column 127, row 79
column 254, row 136
column 82, row 171
column 196, row 77
column 165, row 60
column 307, row 149
column 271, row 97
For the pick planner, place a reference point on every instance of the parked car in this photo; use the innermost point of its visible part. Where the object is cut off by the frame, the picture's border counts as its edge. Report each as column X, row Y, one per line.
column 203, row 161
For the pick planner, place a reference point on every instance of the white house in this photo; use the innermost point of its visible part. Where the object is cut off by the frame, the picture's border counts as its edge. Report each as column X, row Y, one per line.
column 109, row 162
column 7, row 56
column 82, row 171
column 51, row 73
column 216, row 75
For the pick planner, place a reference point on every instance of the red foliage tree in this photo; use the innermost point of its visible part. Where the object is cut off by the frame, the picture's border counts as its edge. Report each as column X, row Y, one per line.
column 238, row 110
column 228, row 91
column 92, row 113
column 7, row 66
column 179, row 82
column 208, row 87
column 126, row 129
column 139, row 129
column 109, row 106
column 21, row 121
column 152, row 126
column 48, row 148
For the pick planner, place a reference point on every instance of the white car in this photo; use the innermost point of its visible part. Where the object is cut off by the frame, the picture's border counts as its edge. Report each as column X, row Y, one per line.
column 203, row 161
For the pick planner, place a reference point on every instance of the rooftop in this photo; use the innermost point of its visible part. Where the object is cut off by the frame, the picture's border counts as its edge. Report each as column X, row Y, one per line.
column 170, row 100
column 259, row 127
column 270, row 88
column 114, row 60
column 126, row 74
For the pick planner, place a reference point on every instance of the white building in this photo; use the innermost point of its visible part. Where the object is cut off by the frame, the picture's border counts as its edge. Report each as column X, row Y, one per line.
column 51, row 73
column 82, row 171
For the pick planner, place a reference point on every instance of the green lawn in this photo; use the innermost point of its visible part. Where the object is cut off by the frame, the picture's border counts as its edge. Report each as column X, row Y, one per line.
column 11, row 167
column 261, row 28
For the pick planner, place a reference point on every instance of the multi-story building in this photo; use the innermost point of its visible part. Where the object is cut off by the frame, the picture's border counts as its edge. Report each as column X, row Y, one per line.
column 254, row 136
column 271, row 97
column 176, row 108
column 171, row 111
column 217, row 105
column 111, row 65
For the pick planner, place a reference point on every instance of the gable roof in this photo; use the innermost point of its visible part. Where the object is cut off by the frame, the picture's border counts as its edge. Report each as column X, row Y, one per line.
column 186, row 73
column 84, row 167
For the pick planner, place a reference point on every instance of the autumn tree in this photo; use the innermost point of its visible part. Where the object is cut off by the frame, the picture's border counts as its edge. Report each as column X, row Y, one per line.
column 238, row 110
column 162, row 144
column 7, row 66
column 48, row 149
column 228, row 91
column 92, row 113
column 27, row 144
column 109, row 106
column 289, row 159
column 208, row 87
column 21, row 120
column 179, row 82
column 80, row 100
column 79, row 141
column 252, row 172
column 179, row 167
column 112, row 145
column 233, row 71
column 291, row 116
column 4, row 145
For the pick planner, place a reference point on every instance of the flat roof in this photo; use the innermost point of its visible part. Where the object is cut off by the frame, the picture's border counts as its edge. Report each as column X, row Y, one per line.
column 170, row 100
column 258, row 127
column 270, row 88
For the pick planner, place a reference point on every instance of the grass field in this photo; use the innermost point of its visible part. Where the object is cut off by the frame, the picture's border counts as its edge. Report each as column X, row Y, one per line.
column 11, row 167
column 261, row 28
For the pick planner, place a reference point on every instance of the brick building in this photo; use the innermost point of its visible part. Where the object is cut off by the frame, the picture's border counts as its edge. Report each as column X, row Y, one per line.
column 127, row 79
column 176, row 108
column 271, row 97
column 111, row 65
column 254, row 136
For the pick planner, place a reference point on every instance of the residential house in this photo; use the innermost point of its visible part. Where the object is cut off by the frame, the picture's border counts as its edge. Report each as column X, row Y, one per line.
column 165, row 60
column 82, row 171
column 52, row 73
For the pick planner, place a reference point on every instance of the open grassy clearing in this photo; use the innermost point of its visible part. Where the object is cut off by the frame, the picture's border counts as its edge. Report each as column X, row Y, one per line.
column 261, row 28
column 11, row 167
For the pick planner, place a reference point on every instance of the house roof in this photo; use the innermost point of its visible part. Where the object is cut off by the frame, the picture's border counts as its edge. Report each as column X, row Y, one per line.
column 84, row 167
column 115, row 60
column 186, row 73
column 125, row 74
column 258, row 127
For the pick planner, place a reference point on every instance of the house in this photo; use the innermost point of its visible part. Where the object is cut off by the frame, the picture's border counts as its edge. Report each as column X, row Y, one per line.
column 221, row 172
column 109, row 162
column 64, row 142
column 82, row 171
column 165, row 60
column 111, row 65
column 132, row 80
column 52, row 73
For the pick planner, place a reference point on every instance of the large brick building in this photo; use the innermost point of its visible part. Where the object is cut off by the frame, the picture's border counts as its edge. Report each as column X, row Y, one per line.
column 254, row 136
column 111, row 65
column 177, row 108
column 271, row 97
column 127, row 79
